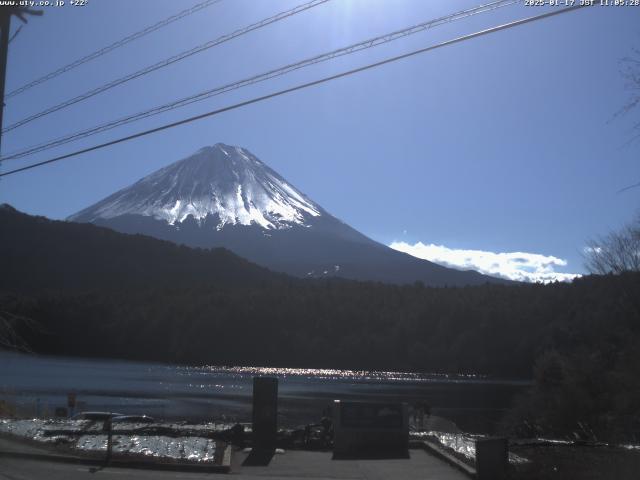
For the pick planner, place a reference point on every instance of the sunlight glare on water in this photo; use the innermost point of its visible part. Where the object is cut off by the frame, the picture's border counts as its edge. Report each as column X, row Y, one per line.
column 335, row 374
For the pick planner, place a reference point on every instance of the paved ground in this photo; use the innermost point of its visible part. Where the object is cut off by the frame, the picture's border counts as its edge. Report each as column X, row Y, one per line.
column 290, row 465
column 318, row 465
column 7, row 445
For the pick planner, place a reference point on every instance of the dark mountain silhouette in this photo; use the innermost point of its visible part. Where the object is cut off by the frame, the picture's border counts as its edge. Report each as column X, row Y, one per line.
column 38, row 253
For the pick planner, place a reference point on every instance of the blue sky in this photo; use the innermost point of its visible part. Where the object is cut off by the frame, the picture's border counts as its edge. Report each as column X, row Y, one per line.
column 464, row 155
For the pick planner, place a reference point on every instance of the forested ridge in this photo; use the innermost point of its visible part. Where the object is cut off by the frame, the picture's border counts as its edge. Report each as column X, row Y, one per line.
column 493, row 330
column 579, row 341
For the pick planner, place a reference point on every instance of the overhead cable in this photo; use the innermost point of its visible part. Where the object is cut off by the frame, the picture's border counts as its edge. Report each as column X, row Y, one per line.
column 365, row 44
column 370, row 66
column 164, row 63
column 111, row 47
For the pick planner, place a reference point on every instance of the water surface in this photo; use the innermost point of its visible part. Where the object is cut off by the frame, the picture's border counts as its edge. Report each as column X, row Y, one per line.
column 36, row 385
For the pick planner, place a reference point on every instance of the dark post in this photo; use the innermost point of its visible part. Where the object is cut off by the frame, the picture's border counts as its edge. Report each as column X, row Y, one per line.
column 265, row 413
column 492, row 458
column 5, row 23
column 108, row 426
column 71, row 403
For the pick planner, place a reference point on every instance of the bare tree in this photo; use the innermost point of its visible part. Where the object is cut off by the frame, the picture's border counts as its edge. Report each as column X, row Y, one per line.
column 630, row 71
column 616, row 252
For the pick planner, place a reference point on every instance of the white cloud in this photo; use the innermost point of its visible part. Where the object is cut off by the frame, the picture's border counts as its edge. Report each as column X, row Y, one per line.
column 521, row 266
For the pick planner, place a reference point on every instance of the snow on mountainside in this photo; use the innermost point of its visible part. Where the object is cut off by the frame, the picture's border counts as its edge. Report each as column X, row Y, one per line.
column 223, row 196
column 222, row 180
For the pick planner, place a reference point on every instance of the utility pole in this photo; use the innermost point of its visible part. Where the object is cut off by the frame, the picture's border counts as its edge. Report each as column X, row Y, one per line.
column 5, row 24
column 5, row 19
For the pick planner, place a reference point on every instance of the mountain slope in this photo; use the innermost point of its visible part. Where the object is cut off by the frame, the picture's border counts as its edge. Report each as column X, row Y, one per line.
column 224, row 196
column 222, row 180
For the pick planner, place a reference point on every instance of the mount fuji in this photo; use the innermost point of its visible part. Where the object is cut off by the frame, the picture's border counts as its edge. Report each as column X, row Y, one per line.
column 224, row 196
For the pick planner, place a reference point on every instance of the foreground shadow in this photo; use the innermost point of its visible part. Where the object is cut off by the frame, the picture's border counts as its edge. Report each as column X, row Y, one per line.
column 258, row 458
column 372, row 455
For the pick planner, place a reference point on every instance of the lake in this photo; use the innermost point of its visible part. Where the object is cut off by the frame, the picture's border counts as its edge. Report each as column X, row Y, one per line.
column 36, row 385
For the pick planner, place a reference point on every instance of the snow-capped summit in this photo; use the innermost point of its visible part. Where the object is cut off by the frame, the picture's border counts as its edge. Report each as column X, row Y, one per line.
column 224, row 196
column 224, row 181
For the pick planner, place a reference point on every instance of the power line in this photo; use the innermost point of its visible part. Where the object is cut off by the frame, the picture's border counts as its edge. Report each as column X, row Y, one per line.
column 366, row 44
column 300, row 87
column 635, row 185
column 168, row 61
column 113, row 46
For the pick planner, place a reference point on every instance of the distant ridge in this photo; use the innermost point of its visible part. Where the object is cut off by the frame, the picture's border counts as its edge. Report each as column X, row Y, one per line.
column 39, row 254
